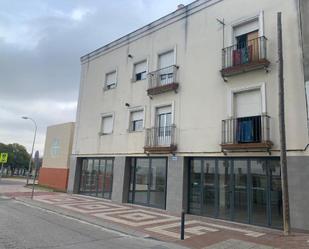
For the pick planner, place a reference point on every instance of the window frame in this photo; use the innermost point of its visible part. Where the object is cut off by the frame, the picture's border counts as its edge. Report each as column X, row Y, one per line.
column 232, row 91
column 134, row 79
column 154, row 112
column 243, row 21
column 114, row 85
column 130, row 125
column 106, row 115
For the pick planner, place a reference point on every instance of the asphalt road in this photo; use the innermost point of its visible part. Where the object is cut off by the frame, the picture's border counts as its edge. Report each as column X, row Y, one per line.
column 26, row 227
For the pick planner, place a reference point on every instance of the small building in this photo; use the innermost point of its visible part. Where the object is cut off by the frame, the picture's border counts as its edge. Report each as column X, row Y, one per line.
column 58, row 148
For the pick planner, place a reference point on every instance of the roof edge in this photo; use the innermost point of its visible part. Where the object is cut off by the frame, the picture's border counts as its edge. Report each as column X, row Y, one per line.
column 168, row 19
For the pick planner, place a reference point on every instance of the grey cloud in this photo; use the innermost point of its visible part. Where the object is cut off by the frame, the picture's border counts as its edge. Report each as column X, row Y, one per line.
column 40, row 46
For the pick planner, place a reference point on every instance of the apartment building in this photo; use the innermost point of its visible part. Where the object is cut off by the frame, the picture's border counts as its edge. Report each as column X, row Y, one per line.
column 183, row 114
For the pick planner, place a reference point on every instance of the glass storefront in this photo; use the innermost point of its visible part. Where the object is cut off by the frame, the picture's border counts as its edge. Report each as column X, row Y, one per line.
column 148, row 181
column 243, row 190
column 96, row 177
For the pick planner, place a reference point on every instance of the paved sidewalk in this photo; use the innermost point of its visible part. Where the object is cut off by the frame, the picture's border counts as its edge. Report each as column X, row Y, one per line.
column 135, row 220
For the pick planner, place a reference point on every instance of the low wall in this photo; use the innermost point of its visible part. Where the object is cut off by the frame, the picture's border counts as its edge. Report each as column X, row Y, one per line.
column 54, row 178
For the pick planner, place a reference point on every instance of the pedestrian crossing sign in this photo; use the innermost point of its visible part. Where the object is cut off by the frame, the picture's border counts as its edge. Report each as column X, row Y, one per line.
column 3, row 157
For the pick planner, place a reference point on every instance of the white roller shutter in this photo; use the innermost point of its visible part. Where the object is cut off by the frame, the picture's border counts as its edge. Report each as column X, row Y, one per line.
column 163, row 110
column 246, row 28
column 248, row 103
column 140, row 67
column 166, row 59
column 137, row 115
column 107, row 124
column 111, row 78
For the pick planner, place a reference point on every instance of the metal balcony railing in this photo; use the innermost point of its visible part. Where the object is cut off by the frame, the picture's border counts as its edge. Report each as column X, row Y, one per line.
column 245, row 130
column 163, row 77
column 158, row 137
column 252, row 52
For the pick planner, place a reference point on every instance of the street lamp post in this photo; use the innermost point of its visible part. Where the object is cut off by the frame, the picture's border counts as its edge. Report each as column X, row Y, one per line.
column 29, row 167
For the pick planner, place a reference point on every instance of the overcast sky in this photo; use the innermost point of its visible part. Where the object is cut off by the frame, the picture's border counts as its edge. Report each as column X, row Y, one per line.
column 41, row 42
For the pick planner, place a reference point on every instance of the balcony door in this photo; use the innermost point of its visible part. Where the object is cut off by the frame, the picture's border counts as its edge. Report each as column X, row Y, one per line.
column 166, row 61
column 164, row 125
column 248, row 108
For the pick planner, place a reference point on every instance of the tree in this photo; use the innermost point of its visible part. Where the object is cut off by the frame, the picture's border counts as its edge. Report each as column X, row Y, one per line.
column 18, row 156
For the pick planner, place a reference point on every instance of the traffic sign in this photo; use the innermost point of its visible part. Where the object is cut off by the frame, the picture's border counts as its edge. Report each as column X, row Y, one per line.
column 4, row 157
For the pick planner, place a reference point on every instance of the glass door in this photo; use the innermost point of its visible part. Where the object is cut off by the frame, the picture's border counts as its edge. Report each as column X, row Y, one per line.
column 209, row 187
column 108, row 179
column 195, row 197
column 83, row 176
column 259, row 193
column 141, row 181
column 157, row 182
column 148, row 182
column 241, row 207
column 94, row 177
column 101, row 174
column 243, row 190
column 275, row 194
column 225, row 193
column 89, row 178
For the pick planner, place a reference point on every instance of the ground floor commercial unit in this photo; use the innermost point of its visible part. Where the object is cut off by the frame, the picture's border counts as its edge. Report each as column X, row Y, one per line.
column 240, row 189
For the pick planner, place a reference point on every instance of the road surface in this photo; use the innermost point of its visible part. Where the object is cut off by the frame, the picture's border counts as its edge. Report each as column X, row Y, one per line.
column 26, row 227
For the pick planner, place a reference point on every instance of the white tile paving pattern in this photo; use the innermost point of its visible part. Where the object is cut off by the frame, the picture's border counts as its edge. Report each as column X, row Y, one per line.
column 152, row 221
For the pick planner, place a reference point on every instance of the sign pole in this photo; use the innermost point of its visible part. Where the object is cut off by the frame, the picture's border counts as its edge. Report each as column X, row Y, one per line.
column 33, row 185
column 36, row 166
column 3, row 160
column 1, row 171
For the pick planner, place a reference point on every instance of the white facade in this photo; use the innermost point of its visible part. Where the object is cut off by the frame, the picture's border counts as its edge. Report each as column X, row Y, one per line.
column 192, row 39
column 203, row 98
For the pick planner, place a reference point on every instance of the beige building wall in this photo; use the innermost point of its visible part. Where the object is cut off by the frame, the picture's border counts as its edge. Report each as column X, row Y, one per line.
column 54, row 172
column 58, row 145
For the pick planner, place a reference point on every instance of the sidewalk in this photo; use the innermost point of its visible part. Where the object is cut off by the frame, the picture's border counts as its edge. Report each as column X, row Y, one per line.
column 13, row 187
column 201, row 232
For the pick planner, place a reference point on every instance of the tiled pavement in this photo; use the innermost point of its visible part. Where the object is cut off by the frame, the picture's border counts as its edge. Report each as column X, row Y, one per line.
column 233, row 243
column 200, row 233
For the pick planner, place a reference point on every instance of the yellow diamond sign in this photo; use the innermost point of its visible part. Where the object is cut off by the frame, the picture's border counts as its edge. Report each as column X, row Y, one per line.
column 3, row 157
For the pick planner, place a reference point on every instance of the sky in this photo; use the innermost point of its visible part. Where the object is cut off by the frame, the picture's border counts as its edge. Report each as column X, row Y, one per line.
column 41, row 42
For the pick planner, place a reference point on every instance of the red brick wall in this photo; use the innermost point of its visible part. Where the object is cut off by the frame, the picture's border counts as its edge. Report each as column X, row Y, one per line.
column 54, row 178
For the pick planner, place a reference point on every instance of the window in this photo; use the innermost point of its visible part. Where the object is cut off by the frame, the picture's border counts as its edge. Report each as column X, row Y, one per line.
column 107, row 125
column 110, row 80
column 140, row 71
column 136, row 120
column 55, row 148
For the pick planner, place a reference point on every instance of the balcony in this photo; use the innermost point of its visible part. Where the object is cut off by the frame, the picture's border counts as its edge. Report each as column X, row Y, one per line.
column 246, row 133
column 245, row 57
column 163, row 80
column 160, row 140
